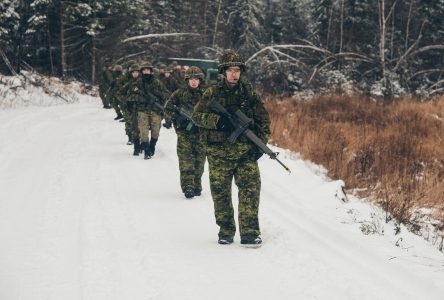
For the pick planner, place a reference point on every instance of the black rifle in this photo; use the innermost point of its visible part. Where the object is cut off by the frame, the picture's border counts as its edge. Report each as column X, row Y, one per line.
column 183, row 114
column 241, row 123
column 151, row 99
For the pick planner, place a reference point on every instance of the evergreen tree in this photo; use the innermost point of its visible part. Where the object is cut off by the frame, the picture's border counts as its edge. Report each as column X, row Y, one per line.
column 9, row 22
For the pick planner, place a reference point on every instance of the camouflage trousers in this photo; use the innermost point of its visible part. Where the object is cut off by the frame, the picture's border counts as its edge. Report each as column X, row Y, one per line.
column 191, row 154
column 127, row 119
column 103, row 97
column 134, row 125
column 247, row 179
column 115, row 104
column 148, row 121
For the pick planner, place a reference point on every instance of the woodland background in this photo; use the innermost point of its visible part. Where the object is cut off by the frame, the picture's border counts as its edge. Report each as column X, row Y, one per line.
column 378, row 47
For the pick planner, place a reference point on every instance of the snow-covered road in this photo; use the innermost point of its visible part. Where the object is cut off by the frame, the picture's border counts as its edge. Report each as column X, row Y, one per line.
column 82, row 218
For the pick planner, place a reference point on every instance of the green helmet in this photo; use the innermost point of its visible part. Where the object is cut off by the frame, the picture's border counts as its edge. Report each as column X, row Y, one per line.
column 194, row 72
column 134, row 67
column 129, row 64
column 146, row 65
column 168, row 70
column 118, row 68
column 230, row 59
column 174, row 64
column 162, row 66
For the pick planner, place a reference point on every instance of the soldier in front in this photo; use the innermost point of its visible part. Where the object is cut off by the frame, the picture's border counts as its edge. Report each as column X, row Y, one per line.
column 233, row 160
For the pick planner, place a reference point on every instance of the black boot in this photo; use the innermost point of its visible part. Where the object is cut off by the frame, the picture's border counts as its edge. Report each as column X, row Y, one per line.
column 130, row 139
column 147, row 151
column 119, row 116
column 136, row 147
column 142, row 146
column 153, row 146
column 189, row 193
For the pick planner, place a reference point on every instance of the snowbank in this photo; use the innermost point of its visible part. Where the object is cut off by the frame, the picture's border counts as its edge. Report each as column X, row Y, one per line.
column 31, row 89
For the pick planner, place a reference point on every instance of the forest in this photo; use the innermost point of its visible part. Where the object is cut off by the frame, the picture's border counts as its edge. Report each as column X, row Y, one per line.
column 386, row 48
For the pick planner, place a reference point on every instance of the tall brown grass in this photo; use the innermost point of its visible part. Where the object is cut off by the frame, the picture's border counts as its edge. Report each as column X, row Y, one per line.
column 391, row 152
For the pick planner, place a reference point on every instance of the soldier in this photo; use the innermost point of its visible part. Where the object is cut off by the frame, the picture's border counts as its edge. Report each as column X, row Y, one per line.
column 120, row 97
column 171, row 85
column 104, row 83
column 236, row 160
column 162, row 68
column 131, row 92
column 123, row 102
column 113, row 90
column 177, row 73
column 190, row 147
column 149, row 115
column 169, row 81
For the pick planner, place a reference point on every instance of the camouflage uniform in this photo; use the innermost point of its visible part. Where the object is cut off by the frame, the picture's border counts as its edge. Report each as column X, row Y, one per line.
column 113, row 91
column 171, row 85
column 236, row 160
column 170, row 82
column 121, row 97
column 149, row 117
column 177, row 74
column 130, row 94
column 190, row 147
column 104, row 84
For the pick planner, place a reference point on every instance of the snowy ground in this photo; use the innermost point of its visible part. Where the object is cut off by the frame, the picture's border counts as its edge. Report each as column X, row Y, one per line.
column 81, row 218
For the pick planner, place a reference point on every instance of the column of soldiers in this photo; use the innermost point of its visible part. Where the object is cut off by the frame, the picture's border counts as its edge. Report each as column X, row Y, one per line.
column 143, row 96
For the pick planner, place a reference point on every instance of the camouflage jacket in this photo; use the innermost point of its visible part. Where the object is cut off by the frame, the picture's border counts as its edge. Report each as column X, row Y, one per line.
column 105, row 79
column 240, row 97
column 184, row 97
column 119, row 83
column 135, row 89
column 170, row 83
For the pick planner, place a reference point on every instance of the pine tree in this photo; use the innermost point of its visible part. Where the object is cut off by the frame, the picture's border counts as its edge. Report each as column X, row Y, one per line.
column 9, row 21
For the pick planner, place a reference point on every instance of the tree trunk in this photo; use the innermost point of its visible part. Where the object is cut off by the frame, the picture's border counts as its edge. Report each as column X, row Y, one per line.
column 62, row 42
column 382, row 38
column 342, row 27
column 407, row 30
column 93, row 61
column 51, row 60
column 215, row 23
column 330, row 19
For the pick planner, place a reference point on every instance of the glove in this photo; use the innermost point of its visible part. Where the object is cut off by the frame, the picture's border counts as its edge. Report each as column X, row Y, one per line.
column 255, row 154
column 167, row 124
column 224, row 124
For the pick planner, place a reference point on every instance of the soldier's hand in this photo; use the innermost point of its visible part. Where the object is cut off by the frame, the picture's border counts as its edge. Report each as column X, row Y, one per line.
column 224, row 124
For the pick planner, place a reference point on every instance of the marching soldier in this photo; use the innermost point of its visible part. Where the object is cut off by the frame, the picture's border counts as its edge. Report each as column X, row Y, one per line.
column 113, row 91
column 190, row 148
column 130, row 94
column 104, row 83
column 149, row 109
column 238, row 159
column 171, row 85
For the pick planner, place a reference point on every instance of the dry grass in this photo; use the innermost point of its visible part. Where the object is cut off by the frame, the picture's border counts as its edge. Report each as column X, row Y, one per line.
column 393, row 152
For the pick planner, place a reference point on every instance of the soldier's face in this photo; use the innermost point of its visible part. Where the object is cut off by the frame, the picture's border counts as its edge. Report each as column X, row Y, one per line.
column 167, row 74
column 194, row 82
column 146, row 71
column 233, row 75
column 135, row 74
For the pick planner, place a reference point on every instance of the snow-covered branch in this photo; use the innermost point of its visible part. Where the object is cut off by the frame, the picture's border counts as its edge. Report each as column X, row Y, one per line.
column 155, row 35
